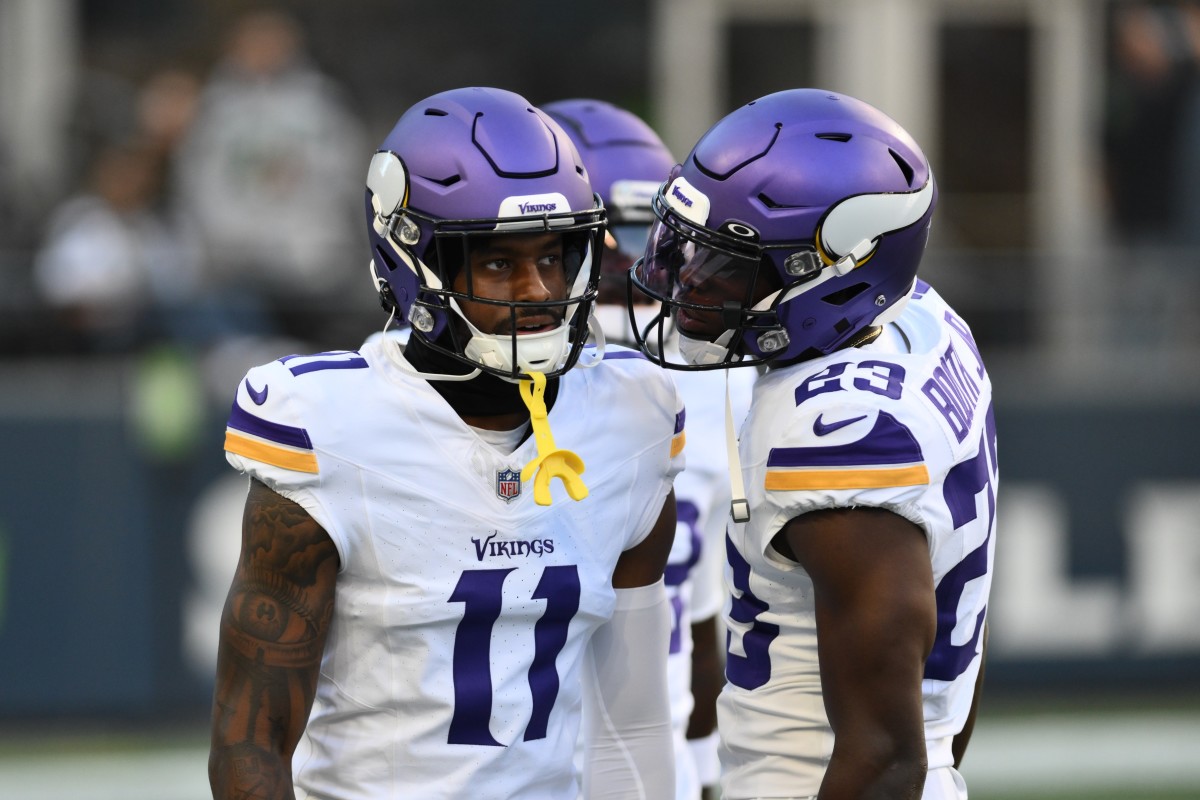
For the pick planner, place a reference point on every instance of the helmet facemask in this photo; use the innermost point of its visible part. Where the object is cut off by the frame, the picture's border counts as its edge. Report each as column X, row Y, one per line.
column 713, row 289
column 448, row 289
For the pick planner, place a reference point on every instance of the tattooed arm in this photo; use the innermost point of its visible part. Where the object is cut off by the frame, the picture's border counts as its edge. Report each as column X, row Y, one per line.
column 273, row 633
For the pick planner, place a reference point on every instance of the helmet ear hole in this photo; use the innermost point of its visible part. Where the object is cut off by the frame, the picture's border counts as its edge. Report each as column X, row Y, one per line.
column 843, row 296
column 382, row 255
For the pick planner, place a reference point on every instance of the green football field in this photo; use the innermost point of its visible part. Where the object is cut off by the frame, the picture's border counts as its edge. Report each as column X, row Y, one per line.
column 1097, row 751
column 1094, row 748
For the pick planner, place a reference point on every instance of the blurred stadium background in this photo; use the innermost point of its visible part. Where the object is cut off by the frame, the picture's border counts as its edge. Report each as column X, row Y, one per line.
column 178, row 203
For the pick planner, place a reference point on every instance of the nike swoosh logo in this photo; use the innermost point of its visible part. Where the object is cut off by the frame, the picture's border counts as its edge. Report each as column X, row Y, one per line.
column 258, row 397
column 822, row 429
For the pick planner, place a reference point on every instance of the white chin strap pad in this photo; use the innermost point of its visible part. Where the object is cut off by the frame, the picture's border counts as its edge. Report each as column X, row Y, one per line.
column 544, row 351
column 698, row 352
column 536, row 352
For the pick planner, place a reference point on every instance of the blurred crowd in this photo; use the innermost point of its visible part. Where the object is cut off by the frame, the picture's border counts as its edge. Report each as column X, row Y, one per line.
column 1152, row 132
column 207, row 208
column 1152, row 167
column 214, row 204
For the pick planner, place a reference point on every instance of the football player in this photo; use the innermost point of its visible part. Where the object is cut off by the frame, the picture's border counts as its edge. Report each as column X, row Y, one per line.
column 860, row 558
column 628, row 162
column 430, row 589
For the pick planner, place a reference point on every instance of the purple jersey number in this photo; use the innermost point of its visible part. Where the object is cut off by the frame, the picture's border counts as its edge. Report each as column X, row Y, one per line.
column 963, row 485
column 481, row 593
column 753, row 669
column 676, row 573
column 331, row 359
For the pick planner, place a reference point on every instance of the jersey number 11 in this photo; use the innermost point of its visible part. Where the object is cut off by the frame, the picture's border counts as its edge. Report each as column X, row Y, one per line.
column 480, row 592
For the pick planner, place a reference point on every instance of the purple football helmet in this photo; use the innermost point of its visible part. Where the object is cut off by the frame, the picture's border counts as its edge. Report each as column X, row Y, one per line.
column 627, row 163
column 458, row 169
column 625, row 159
column 796, row 222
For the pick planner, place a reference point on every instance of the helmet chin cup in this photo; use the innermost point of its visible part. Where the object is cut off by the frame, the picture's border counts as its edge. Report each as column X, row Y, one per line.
column 702, row 353
column 545, row 351
column 536, row 352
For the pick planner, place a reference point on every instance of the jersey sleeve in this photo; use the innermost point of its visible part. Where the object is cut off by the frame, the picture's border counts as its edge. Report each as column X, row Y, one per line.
column 264, row 436
column 858, row 454
column 268, row 438
column 678, row 433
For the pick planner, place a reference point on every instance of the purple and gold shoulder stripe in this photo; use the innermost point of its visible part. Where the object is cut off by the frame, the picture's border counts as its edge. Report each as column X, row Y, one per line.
column 680, row 437
column 888, row 455
column 271, row 443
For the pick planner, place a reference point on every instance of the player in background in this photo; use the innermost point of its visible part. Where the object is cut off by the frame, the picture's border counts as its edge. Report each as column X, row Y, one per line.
column 860, row 561
column 627, row 162
column 419, row 610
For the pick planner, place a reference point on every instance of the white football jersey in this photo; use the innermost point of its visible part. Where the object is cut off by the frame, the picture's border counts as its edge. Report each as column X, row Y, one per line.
column 463, row 609
column 904, row 423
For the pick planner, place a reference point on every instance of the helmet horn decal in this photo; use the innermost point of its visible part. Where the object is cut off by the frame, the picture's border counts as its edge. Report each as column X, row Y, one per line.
column 865, row 218
column 387, row 180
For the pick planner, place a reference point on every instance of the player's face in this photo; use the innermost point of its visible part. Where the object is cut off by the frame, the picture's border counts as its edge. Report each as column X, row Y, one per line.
column 710, row 279
column 521, row 267
column 701, row 280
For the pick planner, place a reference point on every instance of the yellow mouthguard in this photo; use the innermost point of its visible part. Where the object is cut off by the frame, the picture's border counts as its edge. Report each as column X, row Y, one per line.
column 550, row 461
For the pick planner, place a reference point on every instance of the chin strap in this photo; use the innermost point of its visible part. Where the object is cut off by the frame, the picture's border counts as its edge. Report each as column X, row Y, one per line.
column 739, row 507
column 597, row 330
column 550, row 462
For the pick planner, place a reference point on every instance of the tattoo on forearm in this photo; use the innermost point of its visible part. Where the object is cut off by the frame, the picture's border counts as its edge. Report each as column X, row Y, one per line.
column 272, row 636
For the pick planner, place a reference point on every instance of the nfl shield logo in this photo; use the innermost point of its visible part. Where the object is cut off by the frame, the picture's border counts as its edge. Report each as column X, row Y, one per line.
column 508, row 484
